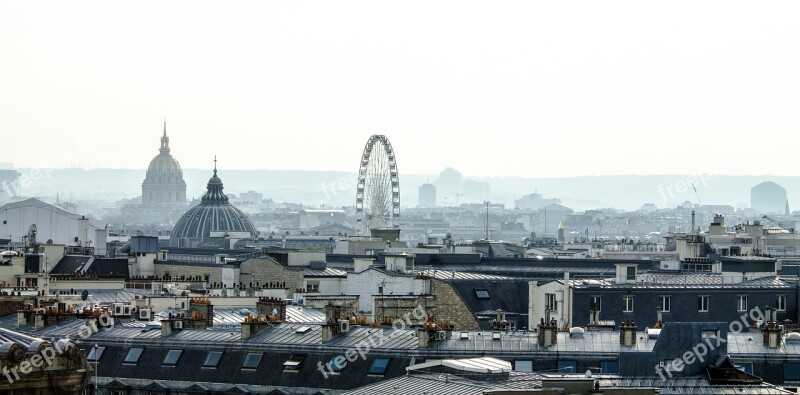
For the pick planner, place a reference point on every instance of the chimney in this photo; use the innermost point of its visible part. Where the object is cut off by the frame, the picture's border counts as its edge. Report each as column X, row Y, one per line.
column 38, row 321
column 424, row 337
column 772, row 332
column 202, row 311
column 253, row 326
column 431, row 332
column 172, row 324
column 272, row 308
column 659, row 317
column 627, row 334
column 548, row 333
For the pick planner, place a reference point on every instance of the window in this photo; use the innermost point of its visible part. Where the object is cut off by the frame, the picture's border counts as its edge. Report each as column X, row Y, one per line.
column 609, row 367
column 212, row 359
column 567, row 367
column 115, row 392
column 482, row 294
column 746, row 367
column 791, row 371
column 741, row 303
column 665, row 302
column 523, row 366
column 95, row 354
column 312, row 286
column 702, row 303
column 596, row 304
column 379, row 366
column 172, row 357
column 294, row 362
column 780, row 303
column 133, row 355
column 631, row 273
column 709, row 334
column 336, row 364
column 252, row 360
column 627, row 304
column 550, row 302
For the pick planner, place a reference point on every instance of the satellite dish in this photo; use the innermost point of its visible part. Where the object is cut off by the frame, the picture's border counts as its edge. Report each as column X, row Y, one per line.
column 84, row 295
column 274, row 311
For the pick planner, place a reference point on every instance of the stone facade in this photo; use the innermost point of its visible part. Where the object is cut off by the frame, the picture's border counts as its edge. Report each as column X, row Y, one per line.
column 266, row 270
column 214, row 272
column 450, row 307
column 372, row 283
column 390, row 308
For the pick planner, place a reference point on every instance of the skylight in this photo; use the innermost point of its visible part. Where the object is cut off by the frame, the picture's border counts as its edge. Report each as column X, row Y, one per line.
column 172, row 357
column 294, row 362
column 303, row 329
column 252, row 360
column 95, row 354
column 482, row 294
column 212, row 359
column 379, row 366
column 133, row 355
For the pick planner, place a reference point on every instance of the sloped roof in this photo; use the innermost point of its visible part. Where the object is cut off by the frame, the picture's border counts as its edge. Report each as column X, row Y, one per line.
column 70, row 264
column 33, row 202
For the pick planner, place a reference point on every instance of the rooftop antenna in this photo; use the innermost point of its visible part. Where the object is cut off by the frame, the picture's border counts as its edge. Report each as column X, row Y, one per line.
column 487, row 220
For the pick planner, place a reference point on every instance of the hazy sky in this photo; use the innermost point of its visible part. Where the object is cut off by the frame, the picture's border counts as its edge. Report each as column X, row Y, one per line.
column 545, row 88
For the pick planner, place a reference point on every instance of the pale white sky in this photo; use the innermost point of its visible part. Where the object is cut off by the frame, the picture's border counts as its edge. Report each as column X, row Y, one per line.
column 490, row 88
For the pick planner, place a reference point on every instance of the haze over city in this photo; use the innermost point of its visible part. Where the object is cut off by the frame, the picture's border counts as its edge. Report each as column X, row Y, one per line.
column 416, row 198
column 516, row 89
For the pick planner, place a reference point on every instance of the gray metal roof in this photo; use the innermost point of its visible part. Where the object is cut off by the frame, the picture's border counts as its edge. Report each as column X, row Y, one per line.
column 753, row 343
column 327, row 272
column 516, row 341
column 389, row 339
column 287, row 334
column 453, row 275
column 687, row 280
column 305, row 315
column 447, row 384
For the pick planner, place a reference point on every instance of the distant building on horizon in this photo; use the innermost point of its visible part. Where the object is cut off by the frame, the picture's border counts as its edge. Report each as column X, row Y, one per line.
column 769, row 197
column 163, row 196
column 163, row 185
column 534, row 201
column 215, row 222
column 427, row 195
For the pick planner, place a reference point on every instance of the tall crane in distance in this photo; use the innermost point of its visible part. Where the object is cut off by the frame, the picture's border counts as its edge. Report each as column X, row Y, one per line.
column 697, row 195
column 779, row 223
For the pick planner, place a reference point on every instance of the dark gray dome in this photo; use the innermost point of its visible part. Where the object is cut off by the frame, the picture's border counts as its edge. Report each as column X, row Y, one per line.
column 214, row 213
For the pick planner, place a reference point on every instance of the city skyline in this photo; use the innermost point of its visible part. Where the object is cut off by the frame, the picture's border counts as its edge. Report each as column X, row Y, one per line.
column 528, row 93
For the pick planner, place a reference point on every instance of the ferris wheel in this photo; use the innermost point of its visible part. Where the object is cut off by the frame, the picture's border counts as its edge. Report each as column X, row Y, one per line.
column 378, row 192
